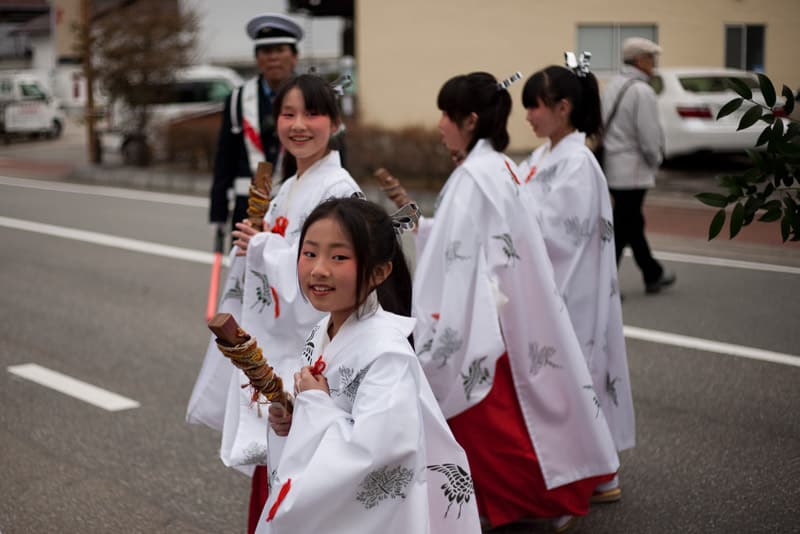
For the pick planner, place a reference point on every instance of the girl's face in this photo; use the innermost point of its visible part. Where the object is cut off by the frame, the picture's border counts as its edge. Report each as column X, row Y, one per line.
column 547, row 121
column 304, row 133
column 456, row 137
column 327, row 270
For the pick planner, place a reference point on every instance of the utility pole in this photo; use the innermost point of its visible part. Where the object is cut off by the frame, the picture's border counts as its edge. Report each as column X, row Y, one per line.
column 86, row 18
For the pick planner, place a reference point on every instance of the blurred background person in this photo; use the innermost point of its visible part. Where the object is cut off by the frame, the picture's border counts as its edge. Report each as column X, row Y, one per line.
column 634, row 144
column 247, row 135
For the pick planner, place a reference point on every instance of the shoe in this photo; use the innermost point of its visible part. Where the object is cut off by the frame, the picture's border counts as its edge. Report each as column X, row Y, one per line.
column 564, row 523
column 665, row 280
column 612, row 495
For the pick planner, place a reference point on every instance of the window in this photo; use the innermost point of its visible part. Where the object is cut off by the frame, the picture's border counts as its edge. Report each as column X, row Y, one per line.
column 713, row 84
column 31, row 91
column 744, row 46
column 604, row 41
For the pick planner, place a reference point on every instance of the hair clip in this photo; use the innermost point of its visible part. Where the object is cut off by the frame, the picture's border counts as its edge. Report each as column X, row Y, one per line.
column 406, row 218
column 578, row 65
column 508, row 81
column 359, row 195
column 341, row 83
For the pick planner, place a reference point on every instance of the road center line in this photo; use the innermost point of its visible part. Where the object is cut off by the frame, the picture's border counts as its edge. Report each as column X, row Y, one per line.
column 207, row 258
column 722, row 262
column 73, row 387
column 728, row 349
column 107, row 240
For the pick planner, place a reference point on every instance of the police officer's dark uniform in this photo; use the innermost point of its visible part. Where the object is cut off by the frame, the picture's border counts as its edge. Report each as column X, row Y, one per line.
column 236, row 161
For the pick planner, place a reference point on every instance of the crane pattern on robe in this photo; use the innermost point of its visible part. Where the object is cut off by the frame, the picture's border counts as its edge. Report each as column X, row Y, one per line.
column 458, row 487
column 508, row 248
column 451, row 254
column 308, row 349
column 236, row 292
column 579, row 230
column 384, row 483
column 541, row 357
column 606, row 231
column 349, row 383
column 449, row 344
column 476, row 375
column 595, row 399
column 263, row 293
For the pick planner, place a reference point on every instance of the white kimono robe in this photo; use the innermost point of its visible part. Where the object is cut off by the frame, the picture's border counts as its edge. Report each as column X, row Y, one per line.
column 262, row 293
column 571, row 202
column 484, row 286
column 376, row 455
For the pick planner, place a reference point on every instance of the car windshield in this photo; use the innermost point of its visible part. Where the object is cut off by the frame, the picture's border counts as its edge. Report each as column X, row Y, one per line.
column 713, row 84
column 190, row 92
column 31, row 91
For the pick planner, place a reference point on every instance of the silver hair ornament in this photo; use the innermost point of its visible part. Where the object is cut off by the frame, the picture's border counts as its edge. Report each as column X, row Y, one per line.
column 406, row 218
column 578, row 65
column 508, row 81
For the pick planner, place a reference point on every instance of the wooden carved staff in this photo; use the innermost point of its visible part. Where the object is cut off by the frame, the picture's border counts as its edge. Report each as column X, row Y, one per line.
column 391, row 188
column 259, row 194
column 244, row 353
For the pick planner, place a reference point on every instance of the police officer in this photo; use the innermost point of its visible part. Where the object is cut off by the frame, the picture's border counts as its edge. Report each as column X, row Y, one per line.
column 248, row 134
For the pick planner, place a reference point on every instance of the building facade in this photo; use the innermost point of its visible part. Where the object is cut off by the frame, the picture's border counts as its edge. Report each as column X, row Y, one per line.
column 406, row 50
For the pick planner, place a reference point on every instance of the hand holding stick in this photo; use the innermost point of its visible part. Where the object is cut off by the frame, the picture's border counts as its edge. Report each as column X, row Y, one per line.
column 245, row 354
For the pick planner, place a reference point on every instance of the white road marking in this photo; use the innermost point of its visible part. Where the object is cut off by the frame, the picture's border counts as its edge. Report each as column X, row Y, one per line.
column 202, row 202
column 728, row 349
column 73, row 387
column 722, row 262
column 207, row 258
column 103, row 191
column 107, row 240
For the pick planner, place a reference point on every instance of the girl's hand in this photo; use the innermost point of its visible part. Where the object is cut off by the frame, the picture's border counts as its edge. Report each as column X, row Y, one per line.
column 305, row 380
column 241, row 236
column 279, row 419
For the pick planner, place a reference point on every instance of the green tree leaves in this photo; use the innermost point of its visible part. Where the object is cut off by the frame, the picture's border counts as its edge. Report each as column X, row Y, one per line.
column 769, row 191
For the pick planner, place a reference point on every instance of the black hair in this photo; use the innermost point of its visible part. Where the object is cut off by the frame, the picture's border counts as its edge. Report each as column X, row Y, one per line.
column 372, row 234
column 318, row 97
column 555, row 83
column 478, row 93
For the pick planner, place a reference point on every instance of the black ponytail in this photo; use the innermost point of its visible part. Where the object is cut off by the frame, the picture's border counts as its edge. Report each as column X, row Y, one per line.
column 555, row 83
column 478, row 93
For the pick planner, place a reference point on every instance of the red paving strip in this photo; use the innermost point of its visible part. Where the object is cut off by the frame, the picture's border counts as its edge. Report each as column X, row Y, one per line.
column 694, row 223
column 9, row 163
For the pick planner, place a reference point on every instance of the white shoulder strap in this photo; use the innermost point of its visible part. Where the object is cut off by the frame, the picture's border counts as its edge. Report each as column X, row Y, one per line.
column 236, row 127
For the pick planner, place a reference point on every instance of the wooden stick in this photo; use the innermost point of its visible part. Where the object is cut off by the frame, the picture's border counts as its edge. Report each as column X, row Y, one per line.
column 260, row 191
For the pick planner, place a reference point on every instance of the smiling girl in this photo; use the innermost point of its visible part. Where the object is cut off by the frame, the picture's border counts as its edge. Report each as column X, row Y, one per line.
column 492, row 333
column 261, row 289
column 368, row 449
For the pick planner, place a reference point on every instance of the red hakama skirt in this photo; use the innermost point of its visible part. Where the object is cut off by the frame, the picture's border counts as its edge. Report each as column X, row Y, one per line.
column 508, row 480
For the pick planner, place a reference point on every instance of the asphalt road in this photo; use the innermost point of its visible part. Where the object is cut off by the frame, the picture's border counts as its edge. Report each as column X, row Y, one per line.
column 718, row 434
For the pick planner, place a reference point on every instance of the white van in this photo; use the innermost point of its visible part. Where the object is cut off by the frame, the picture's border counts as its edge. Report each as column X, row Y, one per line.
column 198, row 90
column 26, row 107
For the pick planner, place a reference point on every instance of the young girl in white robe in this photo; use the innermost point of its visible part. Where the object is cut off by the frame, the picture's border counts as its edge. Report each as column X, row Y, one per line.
column 493, row 334
column 261, row 288
column 368, row 449
column 569, row 197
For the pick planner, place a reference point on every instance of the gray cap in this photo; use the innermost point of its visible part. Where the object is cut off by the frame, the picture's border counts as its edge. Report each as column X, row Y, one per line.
column 634, row 47
column 272, row 29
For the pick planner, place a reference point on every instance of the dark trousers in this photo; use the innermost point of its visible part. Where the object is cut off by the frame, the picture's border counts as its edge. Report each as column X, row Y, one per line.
column 629, row 230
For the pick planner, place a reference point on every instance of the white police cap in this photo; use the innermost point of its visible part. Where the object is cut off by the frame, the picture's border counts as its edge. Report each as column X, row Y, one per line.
column 272, row 29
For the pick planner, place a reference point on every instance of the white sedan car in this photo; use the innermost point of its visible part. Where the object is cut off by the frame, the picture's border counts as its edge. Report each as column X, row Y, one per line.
column 689, row 100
